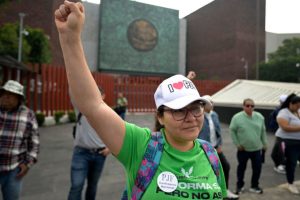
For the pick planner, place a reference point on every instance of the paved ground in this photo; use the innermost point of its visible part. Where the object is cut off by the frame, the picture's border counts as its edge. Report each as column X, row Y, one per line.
column 49, row 179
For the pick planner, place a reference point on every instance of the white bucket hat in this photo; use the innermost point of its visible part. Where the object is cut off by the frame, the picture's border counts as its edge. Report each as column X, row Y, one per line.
column 177, row 92
column 13, row 87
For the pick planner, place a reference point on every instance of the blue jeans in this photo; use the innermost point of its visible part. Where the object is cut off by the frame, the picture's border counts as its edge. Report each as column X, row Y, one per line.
column 85, row 165
column 10, row 185
column 122, row 115
column 256, row 162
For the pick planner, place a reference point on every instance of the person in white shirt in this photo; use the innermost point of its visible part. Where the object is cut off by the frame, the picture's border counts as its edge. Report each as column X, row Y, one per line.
column 288, row 120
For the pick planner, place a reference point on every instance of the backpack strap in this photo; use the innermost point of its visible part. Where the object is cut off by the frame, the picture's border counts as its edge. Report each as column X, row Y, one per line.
column 151, row 161
column 212, row 156
column 148, row 166
column 79, row 117
column 75, row 125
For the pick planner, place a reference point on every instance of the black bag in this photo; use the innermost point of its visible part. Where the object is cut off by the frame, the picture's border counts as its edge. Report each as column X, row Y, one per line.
column 75, row 125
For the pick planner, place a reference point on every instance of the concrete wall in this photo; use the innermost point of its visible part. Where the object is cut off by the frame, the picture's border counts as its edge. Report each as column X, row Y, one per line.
column 182, row 47
column 90, row 34
column 274, row 40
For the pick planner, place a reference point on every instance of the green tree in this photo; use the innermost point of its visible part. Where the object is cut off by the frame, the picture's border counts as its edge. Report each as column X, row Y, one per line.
column 282, row 70
column 40, row 48
column 9, row 41
column 283, row 64
column 3, row 1
column 35, row 45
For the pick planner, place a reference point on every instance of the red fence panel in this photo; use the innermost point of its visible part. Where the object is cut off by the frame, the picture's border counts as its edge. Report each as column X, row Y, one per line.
column 209, row 87
column 47, row 89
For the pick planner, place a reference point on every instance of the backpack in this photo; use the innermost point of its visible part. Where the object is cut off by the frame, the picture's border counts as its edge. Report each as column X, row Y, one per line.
column 151, row 161
column 75, row 125
column 273, row 125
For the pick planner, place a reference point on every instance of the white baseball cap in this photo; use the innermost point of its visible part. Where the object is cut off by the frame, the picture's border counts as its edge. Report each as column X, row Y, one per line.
column 13, row 87
column 177, row 92
column 282, row 98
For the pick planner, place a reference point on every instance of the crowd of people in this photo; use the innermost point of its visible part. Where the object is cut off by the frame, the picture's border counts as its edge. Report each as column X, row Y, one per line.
column 185, row 149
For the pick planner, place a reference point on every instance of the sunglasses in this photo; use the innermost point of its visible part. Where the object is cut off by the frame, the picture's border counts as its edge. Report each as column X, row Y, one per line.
column 249, row 105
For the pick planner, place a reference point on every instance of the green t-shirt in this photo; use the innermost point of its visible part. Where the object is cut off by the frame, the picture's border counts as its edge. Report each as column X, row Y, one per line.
column 249, row 132
column 196, row 178
column 122, row 101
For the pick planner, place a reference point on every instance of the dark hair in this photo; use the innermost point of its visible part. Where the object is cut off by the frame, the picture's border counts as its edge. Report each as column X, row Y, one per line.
column 288, row 100
column 248, row 99
column 159, row 113
column 295, row 99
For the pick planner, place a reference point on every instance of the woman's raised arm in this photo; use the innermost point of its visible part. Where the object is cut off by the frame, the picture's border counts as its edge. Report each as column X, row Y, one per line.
column 69, row 20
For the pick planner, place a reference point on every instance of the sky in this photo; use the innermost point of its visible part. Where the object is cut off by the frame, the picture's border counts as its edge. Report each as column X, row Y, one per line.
column 282, row 16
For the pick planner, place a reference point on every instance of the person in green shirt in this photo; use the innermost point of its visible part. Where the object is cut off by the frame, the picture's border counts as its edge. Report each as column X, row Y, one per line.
column 121, row 105
column 248, row 133
column 184, row 171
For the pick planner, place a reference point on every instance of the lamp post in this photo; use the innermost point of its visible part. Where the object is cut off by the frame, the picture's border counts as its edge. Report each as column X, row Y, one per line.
column 298, row 64
column 21, row 31
column 245, row 66
column 298, row 70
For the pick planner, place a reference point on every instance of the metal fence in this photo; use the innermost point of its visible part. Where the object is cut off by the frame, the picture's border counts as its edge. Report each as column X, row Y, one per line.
column 47, row 88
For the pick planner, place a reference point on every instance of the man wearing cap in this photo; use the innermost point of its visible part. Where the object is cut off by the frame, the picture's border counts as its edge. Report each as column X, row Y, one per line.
column 19, row 139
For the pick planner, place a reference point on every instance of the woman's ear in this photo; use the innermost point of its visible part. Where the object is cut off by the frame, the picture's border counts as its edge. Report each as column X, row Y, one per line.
column 159, row 117
column 160, row 120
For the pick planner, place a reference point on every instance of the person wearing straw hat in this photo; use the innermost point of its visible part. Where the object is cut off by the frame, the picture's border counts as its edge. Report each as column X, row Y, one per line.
column 184, row 170
column 19, row 139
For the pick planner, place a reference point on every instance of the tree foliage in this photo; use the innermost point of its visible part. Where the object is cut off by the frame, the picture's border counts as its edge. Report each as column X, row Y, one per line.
column 9, row 41
column 289, row 50
column 283, row 64
column 40, row 48
column 3, row 1
column 283, row 70
column 35, row 44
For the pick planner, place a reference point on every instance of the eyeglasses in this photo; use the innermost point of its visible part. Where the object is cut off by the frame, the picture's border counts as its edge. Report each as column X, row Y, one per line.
column 180, row 114
column 249, row 105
